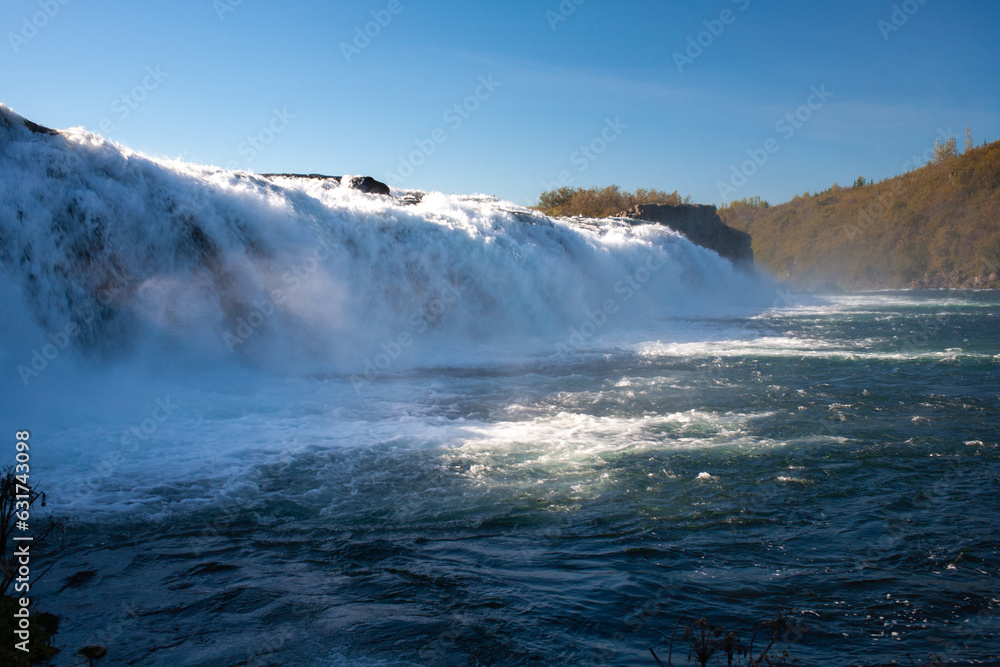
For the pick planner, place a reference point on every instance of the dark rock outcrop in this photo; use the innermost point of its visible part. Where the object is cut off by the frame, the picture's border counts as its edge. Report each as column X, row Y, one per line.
column 365, row 184
column 701, row 224
column 368, row 185
column 10, row 119
column 39, row 129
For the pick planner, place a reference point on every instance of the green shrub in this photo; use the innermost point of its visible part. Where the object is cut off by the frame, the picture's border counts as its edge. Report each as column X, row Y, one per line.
column 601, row 202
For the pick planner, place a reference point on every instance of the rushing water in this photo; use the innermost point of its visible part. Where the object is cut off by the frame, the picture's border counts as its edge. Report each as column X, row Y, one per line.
column 287, row 423
column 838, row 461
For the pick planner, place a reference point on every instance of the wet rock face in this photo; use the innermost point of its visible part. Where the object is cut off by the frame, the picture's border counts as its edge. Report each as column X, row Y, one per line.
column 701, row 224
column 368, row 185
column 9, row 119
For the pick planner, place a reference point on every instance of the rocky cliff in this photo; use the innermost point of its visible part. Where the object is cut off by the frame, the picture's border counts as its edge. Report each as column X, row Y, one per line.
column 701, row 224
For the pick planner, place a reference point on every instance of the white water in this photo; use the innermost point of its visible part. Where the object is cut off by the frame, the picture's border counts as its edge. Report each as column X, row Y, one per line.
column 130, row 280
column 551, row 384
column 302, row 275
column 263, row 318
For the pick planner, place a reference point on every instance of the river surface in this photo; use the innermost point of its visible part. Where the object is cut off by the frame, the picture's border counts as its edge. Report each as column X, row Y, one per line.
column 836, row 460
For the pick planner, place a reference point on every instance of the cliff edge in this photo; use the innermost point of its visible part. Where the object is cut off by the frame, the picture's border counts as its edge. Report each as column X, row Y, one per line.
column 701, row 224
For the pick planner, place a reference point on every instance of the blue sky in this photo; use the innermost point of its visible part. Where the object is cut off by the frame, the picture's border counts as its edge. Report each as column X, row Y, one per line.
column 547, row 92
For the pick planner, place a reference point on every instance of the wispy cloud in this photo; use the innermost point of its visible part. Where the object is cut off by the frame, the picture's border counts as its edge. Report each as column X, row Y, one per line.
column 635, row 86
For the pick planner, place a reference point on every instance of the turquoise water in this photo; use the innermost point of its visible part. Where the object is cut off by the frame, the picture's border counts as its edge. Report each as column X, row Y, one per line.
column 836, row 460
column 289, row 423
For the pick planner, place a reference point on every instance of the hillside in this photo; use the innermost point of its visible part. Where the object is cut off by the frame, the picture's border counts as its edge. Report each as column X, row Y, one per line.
column 937, row 226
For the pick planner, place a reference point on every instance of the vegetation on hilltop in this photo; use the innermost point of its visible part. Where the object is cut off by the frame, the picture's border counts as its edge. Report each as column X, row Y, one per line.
column 936, row 226
column 601, row 202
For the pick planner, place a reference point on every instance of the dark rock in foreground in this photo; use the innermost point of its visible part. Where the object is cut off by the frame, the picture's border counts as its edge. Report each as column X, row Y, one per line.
column 701, row 224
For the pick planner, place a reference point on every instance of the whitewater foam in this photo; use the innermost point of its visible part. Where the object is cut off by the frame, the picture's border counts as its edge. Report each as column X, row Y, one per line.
column 144, row 253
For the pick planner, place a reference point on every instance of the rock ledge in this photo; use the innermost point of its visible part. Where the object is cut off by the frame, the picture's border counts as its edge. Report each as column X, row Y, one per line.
column 701, row 224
